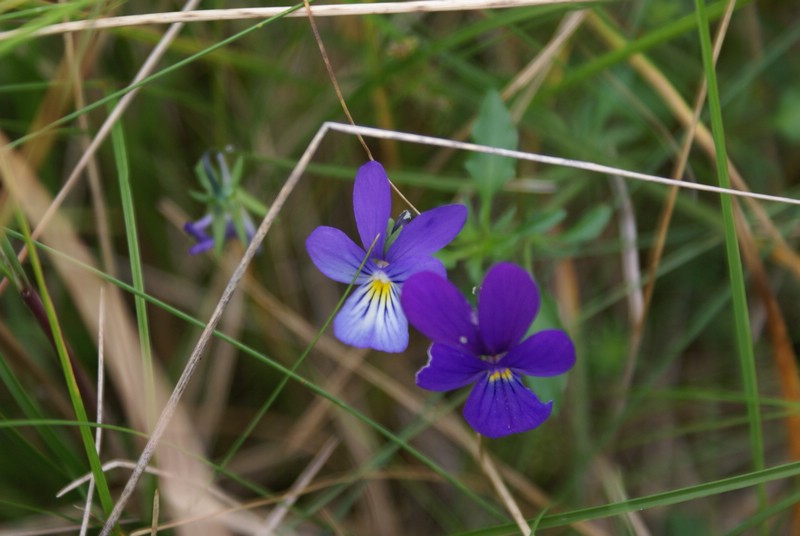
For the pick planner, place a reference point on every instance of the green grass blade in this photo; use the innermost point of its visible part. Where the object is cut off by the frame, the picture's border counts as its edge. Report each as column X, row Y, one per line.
column 744, row 342
column 129, row 214
column 69, row 376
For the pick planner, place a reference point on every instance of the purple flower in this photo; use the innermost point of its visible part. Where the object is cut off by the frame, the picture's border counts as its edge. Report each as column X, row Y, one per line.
column 372, row 317
column 227, row 215
column 485, row 347
column 205, row 241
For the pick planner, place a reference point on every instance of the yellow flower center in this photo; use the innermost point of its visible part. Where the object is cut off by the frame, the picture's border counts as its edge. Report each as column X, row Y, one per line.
column 504, row 374
column 380, row 289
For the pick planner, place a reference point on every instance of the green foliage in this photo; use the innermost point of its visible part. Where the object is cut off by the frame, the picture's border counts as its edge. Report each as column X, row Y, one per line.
column 493, row 128
column 681, row 436
column 787, row 118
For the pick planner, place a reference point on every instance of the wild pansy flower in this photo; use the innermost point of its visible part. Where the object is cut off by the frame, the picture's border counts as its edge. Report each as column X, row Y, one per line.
column 485, row 347
column 372, row 317
column 227, row 216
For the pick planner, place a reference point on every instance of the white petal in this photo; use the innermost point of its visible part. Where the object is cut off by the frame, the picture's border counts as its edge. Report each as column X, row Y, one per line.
column 373, row 318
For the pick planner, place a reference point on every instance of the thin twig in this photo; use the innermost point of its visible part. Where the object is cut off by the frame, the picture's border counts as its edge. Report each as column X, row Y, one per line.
column 328, row 67
column 551, row 160
column 156, row 508
column 340, row 10
column 273, row 521
column 98, row 437
column 160, row 473
column 499, row 486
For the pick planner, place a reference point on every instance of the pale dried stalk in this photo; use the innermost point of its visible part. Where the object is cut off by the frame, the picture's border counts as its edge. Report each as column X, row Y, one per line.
column 551, row 160
column 98, row 435
column 340, row 10
column 489, row 469
column 535, row 72
column 275, row 517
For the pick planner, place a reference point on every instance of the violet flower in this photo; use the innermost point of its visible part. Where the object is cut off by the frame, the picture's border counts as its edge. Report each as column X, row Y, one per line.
column 485, row 347
column 227, row 215
column 372, row 317
column 199, row 231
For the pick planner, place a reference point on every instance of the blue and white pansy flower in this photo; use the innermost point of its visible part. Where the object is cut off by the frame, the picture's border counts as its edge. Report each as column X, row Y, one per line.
column 372, row 316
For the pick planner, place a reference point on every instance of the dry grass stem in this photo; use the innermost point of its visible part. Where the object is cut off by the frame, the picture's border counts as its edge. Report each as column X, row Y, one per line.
column 332, row 75
column 552, row 160
column 337, row 10
column 275, row 518
column 489, row 469
column 529, row 79
column 98, row 438
column 122, row 349
column 126, row 464
column 156, row 509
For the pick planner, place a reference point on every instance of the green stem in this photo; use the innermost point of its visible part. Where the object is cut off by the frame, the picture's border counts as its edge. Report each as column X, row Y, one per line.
column 137, row 276
column 744, row 342
column 69, row 375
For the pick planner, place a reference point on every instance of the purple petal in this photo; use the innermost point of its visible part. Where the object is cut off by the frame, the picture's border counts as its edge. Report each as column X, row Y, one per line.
column 336, row 255
column 449, row 368
column 197, row 228
column 372, row 318
column 429, row 232
column 372, row 205
column 500, row 405
column 200, row 247
column 249, row 226
column 507, row 303
column 547, row 353
column 436, row 308
column 404, row 268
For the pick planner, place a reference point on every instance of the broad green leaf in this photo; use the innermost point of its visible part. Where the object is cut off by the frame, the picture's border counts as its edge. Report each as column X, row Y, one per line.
column 542, row 222
column 589, row 226
column 494, row 128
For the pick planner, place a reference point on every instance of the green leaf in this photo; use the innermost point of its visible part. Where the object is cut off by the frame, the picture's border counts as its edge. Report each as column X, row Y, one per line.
column 494, row 128
column 200, row 171
column 238, row 171
column 542, row 222
column 252, row 204
column 219, row 227
column 589, row 226
column 787, row 120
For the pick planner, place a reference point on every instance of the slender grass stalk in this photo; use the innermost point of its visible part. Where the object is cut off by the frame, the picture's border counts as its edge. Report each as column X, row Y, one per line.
column 135, row 258
column 657, row 500
column 336, row 10
column 69, row 375
column 744, row 342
